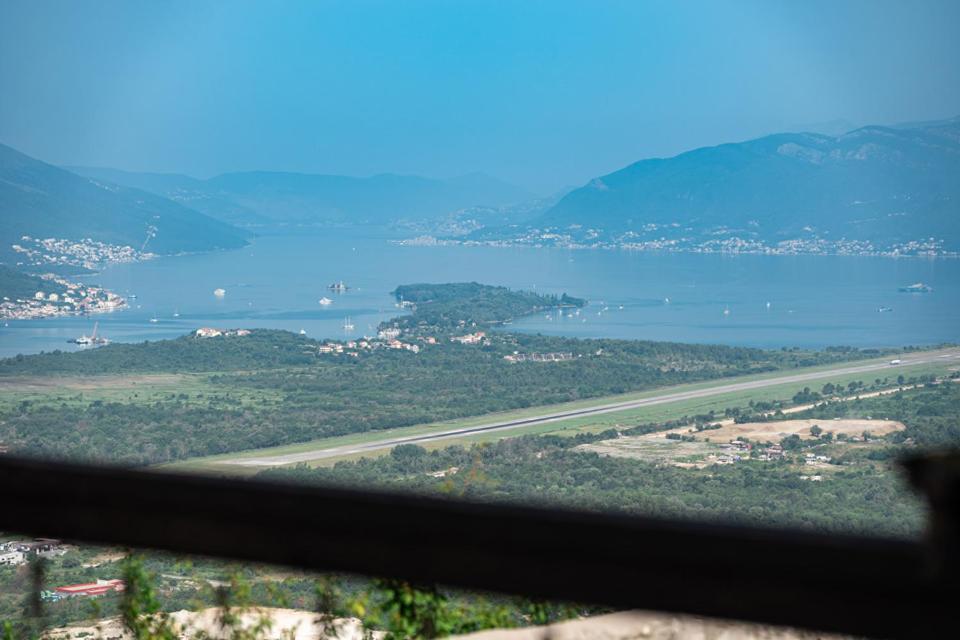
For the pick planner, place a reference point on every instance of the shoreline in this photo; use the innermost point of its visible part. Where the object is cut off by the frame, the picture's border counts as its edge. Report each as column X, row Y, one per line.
column 433, row 241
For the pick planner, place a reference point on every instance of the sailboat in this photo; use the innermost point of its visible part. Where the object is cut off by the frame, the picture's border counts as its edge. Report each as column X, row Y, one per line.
column 154, row 319
column 347, row 324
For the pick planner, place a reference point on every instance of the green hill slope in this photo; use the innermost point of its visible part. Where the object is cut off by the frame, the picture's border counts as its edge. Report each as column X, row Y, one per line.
column 40, row 200
column 880, row 184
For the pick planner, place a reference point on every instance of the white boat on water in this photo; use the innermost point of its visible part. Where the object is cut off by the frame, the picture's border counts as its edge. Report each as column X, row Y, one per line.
column 325, row 301
column 93, row 340
column 347, row 324
column 303, row 332
column 154, row 319
column 219, row 292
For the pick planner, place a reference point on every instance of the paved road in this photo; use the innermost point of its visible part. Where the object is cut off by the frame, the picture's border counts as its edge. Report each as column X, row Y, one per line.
column 335, row 452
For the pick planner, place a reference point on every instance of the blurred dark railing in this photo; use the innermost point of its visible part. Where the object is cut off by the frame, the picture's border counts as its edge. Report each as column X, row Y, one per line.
column 858, row 585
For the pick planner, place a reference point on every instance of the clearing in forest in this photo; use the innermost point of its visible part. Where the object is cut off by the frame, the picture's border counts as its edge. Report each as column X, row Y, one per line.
column 776, row 431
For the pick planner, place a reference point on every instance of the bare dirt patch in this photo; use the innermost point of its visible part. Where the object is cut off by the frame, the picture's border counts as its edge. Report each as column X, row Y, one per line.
column 104, row 558
column 701, row 451
column 659, row 450
column 776, row 431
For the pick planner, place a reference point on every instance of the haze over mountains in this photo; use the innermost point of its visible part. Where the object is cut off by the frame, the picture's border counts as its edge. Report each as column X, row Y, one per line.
column 885, row 185
column 173, row 213
column 890, row 187
column 41, row 200
column 266, row 197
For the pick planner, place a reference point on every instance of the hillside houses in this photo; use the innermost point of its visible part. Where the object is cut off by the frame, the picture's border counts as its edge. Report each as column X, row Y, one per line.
column 471, row 338
column 17, row 552
column 355, row 347
column 72, row 299
column 538, row 357
column 388, row 333
column 210, row 332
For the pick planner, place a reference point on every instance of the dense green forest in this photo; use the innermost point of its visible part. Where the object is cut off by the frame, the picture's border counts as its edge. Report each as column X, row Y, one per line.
column 446, row 306
column 862, row 492
column 271, row 388
column 262, row 349
column 548, row 470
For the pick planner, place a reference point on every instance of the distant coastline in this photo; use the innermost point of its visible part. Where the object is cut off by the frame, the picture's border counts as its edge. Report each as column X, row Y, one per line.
column 728, row 246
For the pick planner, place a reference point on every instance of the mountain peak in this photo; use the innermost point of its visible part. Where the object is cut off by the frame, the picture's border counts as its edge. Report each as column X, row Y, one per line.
column 876, row 183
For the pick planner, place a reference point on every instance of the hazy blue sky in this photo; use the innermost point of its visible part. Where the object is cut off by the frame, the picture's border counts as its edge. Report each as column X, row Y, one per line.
column 541, row 93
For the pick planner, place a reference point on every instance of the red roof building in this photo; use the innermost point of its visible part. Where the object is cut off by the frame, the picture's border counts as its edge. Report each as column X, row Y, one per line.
column 97, row 588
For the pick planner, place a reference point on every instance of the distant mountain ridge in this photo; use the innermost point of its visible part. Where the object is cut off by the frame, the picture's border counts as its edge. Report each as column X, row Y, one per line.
column 884, row 185
column 43, row 201
column 268, row 197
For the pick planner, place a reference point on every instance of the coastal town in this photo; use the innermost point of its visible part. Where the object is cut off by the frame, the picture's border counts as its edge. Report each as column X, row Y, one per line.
column 51, row 259
column 86, row 254
column 722, row 241
column 390, row 338
column 68, row 299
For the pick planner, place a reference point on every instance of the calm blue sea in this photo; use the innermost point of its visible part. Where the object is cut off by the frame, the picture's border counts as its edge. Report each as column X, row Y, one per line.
column 765, row 301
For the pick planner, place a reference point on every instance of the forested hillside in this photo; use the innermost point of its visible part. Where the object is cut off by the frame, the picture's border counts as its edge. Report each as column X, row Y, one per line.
column 41, row 200
column 879, row 184
column 16, row 284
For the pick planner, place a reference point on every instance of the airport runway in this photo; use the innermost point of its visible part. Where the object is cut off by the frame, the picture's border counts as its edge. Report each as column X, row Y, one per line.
column 387, row 443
